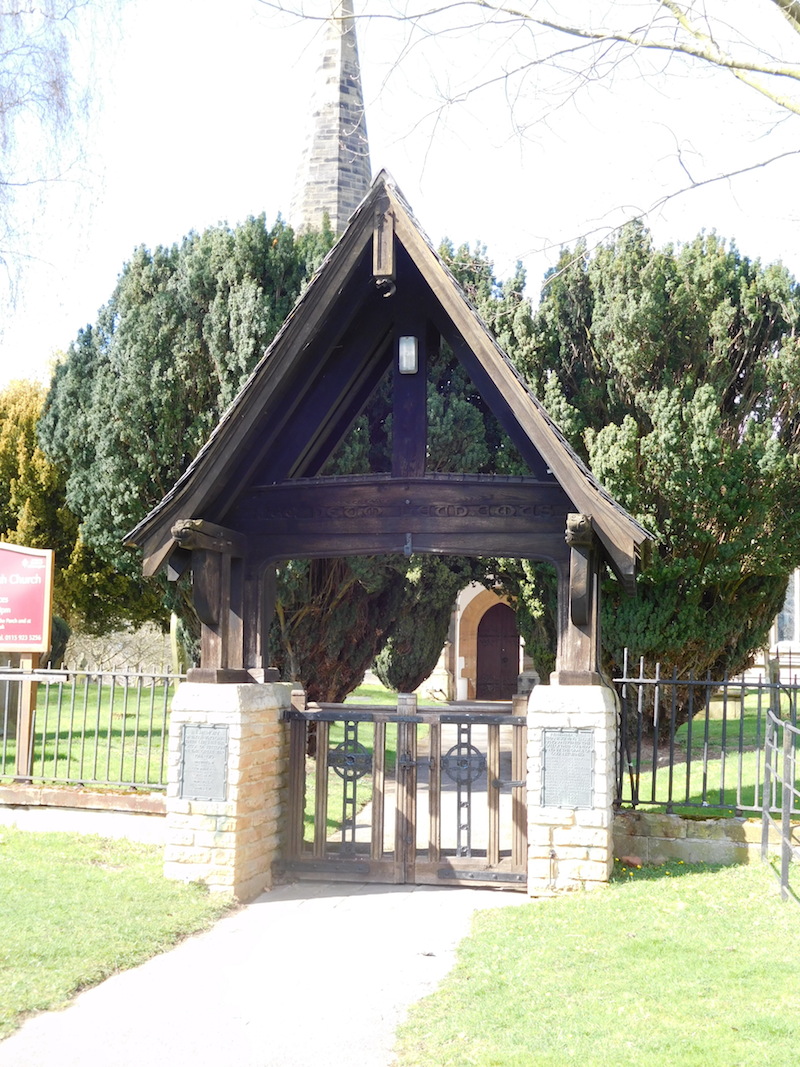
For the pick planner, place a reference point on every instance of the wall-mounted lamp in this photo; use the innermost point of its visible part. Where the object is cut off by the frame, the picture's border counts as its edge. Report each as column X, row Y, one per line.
column 407, row 357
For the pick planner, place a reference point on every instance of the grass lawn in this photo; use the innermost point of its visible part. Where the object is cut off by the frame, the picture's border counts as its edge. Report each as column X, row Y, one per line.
column 76, row 909
column 728, row 781
column 718, row 785
column 676, row 966
column 92, row 734
column 372, row 694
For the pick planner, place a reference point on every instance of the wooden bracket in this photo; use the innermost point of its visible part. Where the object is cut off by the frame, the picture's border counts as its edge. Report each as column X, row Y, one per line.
column 200, row 535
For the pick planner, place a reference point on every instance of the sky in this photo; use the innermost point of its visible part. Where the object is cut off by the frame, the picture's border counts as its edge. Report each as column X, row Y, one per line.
column 200, row 112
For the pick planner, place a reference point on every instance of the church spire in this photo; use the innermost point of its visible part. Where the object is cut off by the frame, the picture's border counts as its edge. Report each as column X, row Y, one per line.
column 334, row 173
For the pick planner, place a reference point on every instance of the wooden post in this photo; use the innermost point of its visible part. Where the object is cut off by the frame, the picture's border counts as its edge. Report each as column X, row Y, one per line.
column 257, row 612
column 579, row 608
column 28, row 661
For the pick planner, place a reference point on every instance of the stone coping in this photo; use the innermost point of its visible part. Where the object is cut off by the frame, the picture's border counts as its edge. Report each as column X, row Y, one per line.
column 30, row 796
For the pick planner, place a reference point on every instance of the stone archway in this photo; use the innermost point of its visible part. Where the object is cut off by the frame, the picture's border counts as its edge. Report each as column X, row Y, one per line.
column 469, row 620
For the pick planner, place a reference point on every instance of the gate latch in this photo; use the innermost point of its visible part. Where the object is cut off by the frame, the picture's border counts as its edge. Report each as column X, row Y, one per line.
column 405, row 762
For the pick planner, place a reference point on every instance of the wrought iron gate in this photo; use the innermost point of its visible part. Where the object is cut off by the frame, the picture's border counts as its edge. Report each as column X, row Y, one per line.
column 437, row 797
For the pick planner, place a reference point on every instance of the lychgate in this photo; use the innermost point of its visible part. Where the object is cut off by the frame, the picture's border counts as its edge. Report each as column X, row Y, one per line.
column 379, row 306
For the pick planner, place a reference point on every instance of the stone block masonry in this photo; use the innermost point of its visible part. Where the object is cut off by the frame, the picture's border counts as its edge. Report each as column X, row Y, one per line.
column 656, row 838
column 229, row 843
column 571, row 765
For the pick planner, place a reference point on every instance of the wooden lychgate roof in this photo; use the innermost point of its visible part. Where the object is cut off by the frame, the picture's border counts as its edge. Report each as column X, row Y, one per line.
column 317, row 376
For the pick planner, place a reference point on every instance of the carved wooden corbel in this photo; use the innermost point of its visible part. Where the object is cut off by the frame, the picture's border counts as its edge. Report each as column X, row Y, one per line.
column 580, row 538
column 201, row 535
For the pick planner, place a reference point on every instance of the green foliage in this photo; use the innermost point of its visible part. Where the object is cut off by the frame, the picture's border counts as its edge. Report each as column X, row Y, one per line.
column 140, row 391
column 34, row 512
column 419, row 630
column 32, row 506
column 331, row 619
column 674, row 373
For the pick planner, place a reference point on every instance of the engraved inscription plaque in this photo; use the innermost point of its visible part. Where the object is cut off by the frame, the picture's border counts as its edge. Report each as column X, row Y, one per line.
column 567, row 768
column 204, row 763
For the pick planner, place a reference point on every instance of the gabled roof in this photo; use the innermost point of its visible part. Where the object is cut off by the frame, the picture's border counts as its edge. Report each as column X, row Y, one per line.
column 341, row 293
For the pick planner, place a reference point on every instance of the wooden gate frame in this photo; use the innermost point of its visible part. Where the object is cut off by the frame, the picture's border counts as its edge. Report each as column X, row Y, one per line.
column 402, row 865
column 254, row 494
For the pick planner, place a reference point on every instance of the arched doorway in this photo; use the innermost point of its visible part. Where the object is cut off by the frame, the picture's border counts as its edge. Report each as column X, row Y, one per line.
column 498, row 654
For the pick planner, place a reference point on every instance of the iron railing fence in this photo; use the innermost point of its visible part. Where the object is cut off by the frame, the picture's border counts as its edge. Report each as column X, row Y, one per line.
column 94, row 729
column 688, row 743
column 781, row 794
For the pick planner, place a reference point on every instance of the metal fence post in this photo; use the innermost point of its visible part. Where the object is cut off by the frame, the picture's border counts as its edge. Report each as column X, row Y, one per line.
column 786, row 809
column 766, row 791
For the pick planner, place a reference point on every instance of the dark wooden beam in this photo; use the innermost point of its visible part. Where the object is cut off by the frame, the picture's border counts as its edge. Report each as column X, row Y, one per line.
column 479, row 516
column 328, row 404
column 211, row 591
column 581, row 568
column 384, row 504
column 322, row 546
column 383, row 262
column 410, row 391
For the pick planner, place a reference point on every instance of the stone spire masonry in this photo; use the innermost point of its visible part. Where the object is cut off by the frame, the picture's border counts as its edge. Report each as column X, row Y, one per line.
column 334, row 173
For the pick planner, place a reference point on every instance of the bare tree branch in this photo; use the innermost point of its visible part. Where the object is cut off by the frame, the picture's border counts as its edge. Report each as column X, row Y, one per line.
column 791, row 10
column 703, row 49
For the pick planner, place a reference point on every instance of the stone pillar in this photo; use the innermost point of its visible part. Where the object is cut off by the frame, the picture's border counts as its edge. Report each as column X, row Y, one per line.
column 228, row 761
column 572, row 732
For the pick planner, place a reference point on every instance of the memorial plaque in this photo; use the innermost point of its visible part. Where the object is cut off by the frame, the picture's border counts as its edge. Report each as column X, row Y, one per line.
column 567, row 768
column 204, row 763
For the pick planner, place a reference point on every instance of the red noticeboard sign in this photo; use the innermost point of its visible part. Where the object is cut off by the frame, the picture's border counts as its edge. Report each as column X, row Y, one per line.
column 26, row 598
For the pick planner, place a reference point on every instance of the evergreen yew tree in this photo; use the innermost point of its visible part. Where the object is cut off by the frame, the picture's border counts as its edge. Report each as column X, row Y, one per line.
column 140, row 390
column 674, row 373
column 143, row 388
column 419, row 629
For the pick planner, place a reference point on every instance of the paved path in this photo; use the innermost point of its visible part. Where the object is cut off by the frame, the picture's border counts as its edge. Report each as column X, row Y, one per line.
column 305, row 976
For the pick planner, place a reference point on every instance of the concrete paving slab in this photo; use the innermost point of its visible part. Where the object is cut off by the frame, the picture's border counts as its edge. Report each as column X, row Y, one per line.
column 308, row 975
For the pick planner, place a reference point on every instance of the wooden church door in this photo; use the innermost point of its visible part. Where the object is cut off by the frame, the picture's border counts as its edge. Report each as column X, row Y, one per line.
column 498, row 654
